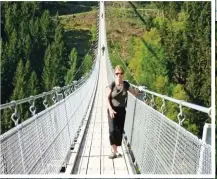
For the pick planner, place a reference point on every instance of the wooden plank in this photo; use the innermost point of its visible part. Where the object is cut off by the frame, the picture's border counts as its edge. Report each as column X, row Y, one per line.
column 107, row 166
column 96, row 140
column 106, row 151
column 121, row 172
column 105, row 140
column 98, row 118
column 93, row 165
column 95, row 150
column 97, row 131
column 105, row 136
column 97, row 128
column 105, row 130
column 119, row 164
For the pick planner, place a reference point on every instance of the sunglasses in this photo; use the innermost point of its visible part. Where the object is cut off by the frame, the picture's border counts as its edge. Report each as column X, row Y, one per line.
column 118, row 74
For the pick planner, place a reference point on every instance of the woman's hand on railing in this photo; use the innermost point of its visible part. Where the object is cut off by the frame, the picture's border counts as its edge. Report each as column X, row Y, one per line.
column 140, row 88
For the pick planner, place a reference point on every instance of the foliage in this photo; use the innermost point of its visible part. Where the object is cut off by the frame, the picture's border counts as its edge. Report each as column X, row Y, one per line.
column 34, row 53
column 172, row 56
column 73, row 60
column 87, row 64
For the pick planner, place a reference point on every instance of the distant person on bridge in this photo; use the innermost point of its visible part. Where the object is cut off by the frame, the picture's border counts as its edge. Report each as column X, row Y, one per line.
column 116, row 94
column 103, row 49
column 102, row 15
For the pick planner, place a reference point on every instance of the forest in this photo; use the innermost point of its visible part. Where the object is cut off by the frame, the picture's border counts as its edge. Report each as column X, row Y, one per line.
column 36, row 55
column 165, row 45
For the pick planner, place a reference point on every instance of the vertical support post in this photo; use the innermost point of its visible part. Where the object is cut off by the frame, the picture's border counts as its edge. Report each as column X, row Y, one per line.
column 205, row 139
column 174, row 153
column 131, row 137
column 15, row 118
column 40, row 150
column 67, row 123
column 199, row 171
column 21, row 150
column 156, row 149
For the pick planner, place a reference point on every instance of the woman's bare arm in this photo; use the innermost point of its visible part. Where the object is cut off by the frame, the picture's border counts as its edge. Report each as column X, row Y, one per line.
column 108, row 94
column 134, row 91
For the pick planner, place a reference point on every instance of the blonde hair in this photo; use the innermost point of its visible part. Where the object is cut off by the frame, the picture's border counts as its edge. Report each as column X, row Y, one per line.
column 119, row 67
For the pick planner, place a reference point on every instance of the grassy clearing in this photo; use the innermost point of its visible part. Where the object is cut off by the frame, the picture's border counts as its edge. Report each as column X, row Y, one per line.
column 80, row 30
column 82, row 21
column 121, row 25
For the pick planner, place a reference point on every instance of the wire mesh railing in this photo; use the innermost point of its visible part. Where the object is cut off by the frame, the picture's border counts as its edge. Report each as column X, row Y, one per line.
column 165, row 146
column 40, row 144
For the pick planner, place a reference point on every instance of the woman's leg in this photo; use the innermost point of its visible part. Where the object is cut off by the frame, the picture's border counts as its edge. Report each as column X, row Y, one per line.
column 112, row 125
column 114, row 148
column 112, row 138
column 120, row 125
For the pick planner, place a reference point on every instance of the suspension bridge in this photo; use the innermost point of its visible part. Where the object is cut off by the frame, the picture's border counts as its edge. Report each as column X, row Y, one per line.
column 72, row 137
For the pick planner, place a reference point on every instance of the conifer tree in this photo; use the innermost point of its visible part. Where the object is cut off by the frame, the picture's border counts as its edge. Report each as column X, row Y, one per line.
column 58, row 49
column 87, row 63
column 45, row 27
column 73, row 60
column 19, row 82
column 9, row 20
column 32, row 84
column 49, row 75
column 6, row 122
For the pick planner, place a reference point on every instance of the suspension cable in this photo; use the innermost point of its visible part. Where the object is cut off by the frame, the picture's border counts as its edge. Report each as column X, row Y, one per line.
column 126, row 67
column 83, row 60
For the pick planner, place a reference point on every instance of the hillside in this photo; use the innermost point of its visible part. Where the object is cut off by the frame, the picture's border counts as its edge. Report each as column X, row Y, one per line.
column 137, row 37
column 42, row 50
column 158, row 42
column 80, row 30
column 165, row 51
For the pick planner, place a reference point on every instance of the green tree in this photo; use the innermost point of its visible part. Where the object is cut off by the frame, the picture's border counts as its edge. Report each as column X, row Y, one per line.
column 58, row 53
column 6, row 122
column 45, row 23
column 19, row 82
column 49, row 75
column 87, row 63
column 73, row 60
column 33, row 84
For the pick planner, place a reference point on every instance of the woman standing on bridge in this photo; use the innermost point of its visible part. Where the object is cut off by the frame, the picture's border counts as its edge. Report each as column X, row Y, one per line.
column 117, row 101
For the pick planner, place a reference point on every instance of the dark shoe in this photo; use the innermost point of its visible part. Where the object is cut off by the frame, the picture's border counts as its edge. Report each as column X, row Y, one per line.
column 112, row 156
column 118, row 155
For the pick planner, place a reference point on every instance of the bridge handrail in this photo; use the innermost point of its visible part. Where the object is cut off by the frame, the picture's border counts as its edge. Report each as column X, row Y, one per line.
column 44, row 94
column 180, row 102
